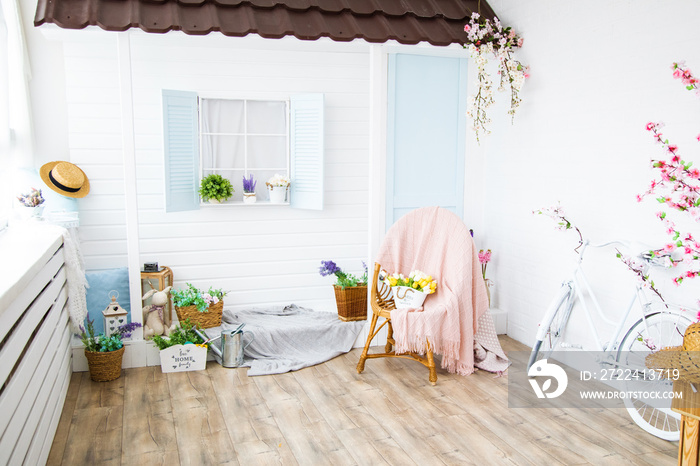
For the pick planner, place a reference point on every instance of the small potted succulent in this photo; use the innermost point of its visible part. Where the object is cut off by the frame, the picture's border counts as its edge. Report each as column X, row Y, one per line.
column 215, row 189
column 202, row 308
column 277, row 187
column 104, row 354
column 249, row 189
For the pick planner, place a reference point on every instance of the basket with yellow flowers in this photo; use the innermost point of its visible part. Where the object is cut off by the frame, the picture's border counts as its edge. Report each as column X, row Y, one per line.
column 411, row 291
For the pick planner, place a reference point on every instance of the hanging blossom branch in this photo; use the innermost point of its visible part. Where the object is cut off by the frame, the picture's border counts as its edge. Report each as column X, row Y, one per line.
column 483, row 98
column 638, row 268
column 686, row 76
column 485, row 38
column 556, row 213
column 678, row 187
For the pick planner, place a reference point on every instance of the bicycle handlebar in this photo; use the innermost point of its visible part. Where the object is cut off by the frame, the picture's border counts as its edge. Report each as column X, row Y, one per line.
column 639, row 250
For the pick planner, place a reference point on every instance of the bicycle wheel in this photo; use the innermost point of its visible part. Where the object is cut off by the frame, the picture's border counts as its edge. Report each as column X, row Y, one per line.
column 655, row 331
column 553, row 325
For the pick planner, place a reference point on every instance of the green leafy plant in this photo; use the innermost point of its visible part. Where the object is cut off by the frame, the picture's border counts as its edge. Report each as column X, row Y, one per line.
column 101, row 343
column 343, row 279
column 215, row 187
column 192, row 296
column 182, row 334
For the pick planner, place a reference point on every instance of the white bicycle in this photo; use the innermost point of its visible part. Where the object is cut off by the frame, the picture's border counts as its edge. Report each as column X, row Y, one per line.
column 660, row 325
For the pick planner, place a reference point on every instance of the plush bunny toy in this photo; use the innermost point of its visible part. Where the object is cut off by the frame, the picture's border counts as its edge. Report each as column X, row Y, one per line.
column 153, row 313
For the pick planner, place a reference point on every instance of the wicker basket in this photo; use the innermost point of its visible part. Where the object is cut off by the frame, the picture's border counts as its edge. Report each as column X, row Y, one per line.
column 686, row 358
column 105, row 366
column 207, row 319
column 351, row 302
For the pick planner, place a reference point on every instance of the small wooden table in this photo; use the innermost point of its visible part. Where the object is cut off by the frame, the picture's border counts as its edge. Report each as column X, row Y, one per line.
column 164, row 276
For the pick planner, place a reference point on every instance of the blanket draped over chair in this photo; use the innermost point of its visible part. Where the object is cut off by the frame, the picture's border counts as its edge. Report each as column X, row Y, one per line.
column 455, row 319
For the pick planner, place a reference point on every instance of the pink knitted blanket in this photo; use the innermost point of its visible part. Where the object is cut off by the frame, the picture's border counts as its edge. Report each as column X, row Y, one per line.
column 455, row 319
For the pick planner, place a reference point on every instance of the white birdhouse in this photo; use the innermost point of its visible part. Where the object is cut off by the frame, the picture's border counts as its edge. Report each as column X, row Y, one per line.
column 114, row 315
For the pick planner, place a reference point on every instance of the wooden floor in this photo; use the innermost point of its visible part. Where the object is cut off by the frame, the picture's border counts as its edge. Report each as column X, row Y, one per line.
column 329, row 414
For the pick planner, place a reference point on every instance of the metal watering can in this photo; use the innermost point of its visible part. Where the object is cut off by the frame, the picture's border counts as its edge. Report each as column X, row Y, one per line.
column 229, row 351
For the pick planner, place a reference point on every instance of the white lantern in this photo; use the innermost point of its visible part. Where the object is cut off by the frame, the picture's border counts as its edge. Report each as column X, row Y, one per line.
column 114, row 316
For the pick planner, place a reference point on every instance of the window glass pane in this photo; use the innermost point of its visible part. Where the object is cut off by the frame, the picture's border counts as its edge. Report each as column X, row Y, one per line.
column 223, row 151
column 222, row 116
column 267, row 152
column 267, row 117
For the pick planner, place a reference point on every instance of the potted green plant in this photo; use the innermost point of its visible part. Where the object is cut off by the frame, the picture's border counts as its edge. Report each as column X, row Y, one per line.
column 215, row 188
column 202, row 308
column 182, row 350
column 350, row 291
column 104, row 354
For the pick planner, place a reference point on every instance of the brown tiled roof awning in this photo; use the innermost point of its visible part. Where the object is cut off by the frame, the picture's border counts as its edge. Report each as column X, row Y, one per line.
column 438, row 22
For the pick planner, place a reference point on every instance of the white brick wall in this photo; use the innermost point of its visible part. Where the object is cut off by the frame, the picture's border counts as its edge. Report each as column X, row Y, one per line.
column 599, row 73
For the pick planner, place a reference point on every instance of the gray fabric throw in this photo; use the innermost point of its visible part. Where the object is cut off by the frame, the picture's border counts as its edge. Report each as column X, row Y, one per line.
column 289, row 338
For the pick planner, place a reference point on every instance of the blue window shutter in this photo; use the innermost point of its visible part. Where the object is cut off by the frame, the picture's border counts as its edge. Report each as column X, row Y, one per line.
column 180, row 130
column 306, row 150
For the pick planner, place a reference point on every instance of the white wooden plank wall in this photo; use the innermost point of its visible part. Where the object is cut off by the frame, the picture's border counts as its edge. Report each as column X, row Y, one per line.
column 264, row 254
column 34, row 365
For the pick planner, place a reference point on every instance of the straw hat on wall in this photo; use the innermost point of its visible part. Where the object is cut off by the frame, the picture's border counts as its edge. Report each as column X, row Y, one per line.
column 65, row 178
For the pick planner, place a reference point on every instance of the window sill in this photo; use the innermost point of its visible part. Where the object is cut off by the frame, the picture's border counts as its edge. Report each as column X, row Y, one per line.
column 241, row 203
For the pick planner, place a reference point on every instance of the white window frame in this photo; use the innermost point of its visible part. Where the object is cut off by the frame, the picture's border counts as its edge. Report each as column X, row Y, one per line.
column 245, row 170
column 305, row 150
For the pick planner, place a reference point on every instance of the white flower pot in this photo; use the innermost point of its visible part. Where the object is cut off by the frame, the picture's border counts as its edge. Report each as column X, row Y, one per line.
column 214, row 201
column 249, row 198
column 406, row 297
column 277, row 194
column 26, row 213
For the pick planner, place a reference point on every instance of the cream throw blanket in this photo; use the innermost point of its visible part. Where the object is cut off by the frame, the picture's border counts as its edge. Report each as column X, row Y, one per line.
column 455, row 319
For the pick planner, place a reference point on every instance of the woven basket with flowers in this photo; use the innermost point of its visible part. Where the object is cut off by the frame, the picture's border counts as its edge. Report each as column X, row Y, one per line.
column 350, row 291
column 202, row 308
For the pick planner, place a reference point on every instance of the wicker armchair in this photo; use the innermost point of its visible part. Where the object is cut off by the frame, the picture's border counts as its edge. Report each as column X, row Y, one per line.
column 382, row 304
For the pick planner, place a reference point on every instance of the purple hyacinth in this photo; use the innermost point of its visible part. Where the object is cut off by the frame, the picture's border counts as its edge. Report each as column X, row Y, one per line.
column 126, row 330
column 328, row 268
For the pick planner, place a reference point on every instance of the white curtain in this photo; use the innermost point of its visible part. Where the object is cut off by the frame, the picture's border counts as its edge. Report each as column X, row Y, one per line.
column 236, row 125
column 18, row 141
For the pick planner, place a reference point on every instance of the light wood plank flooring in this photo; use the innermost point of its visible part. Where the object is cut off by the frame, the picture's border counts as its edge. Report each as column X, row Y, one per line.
column 329, row 414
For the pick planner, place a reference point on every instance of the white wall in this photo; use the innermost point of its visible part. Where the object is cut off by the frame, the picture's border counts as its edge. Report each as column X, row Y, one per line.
column 261, row 254
column 599, row 72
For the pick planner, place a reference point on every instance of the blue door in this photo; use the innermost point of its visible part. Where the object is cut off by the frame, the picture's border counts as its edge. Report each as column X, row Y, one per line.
column 426, row 134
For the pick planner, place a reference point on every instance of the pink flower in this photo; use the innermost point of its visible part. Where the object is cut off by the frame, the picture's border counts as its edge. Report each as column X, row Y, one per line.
column 467, row 28
column 669, row 247
column 651, row 125
column 698, row 137
column 484, row 256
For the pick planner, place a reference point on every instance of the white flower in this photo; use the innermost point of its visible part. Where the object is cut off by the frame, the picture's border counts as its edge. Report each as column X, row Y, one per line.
column 278, row 180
